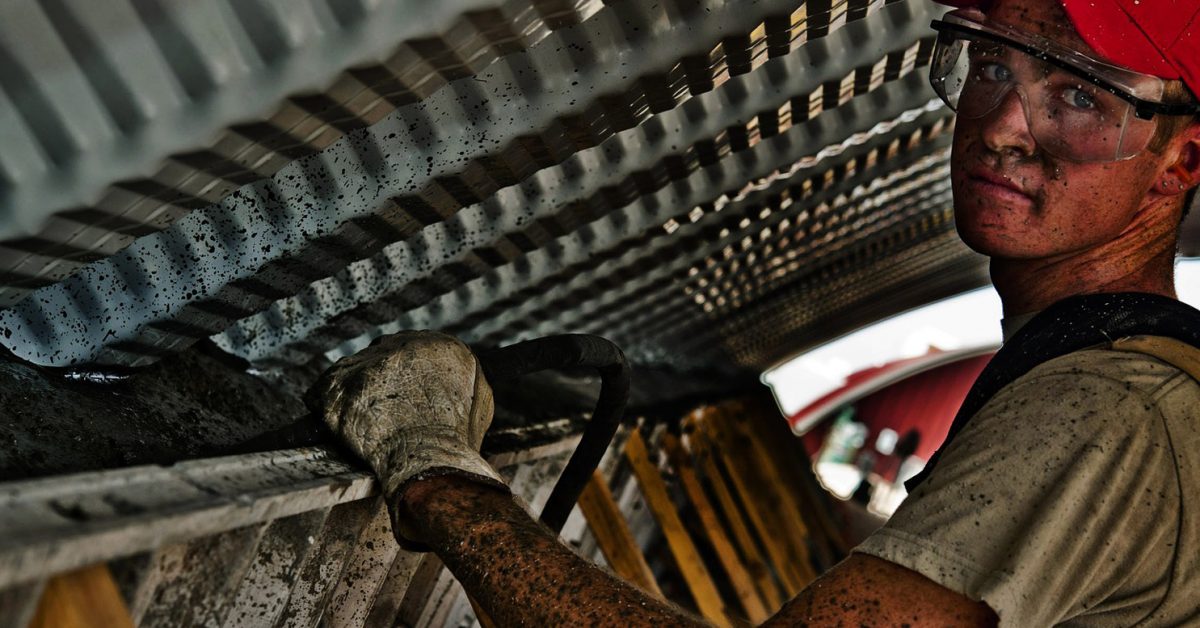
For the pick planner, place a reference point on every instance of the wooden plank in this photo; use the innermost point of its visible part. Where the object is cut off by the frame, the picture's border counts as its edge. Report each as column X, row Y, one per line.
column 757, row 509
column 55, row 524
column 316, row 579
column 18, row 602
column 613, row 535
column 687, row 558
column 363, row 576
column 194, row 583
column 755, row 562
column 50, row 525
column 420, row 589
column 80, row 599
column 797, row 467
column 282, row 552
column 756, row 610
column 774, row 486
column 391, row 593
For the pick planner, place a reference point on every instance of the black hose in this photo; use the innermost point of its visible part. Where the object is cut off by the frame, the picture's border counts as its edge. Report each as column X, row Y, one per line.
column 566, row 351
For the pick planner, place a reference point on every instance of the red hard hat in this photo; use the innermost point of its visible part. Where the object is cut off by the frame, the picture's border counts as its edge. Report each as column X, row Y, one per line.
column 1156, row 37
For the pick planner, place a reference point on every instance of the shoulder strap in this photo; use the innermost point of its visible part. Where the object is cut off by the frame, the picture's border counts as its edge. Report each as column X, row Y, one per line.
column 1178, row 354
column 1067, row 326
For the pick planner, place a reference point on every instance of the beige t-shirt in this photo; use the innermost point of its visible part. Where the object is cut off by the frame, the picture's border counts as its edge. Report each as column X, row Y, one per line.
column 1072, row 498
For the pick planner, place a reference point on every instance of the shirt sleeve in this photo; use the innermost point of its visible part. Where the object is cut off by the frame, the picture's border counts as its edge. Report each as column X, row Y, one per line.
column 1045, row 502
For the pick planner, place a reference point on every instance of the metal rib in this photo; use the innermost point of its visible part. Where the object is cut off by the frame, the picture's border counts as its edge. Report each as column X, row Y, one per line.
column 193, row 279
column 650, row 212
column 445, row 255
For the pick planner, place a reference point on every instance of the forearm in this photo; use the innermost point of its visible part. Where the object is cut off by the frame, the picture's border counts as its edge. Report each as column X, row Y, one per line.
column 515, row 568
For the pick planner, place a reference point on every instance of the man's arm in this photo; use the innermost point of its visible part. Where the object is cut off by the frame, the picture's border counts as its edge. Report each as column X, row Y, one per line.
column 415, row 406
column 521, row 574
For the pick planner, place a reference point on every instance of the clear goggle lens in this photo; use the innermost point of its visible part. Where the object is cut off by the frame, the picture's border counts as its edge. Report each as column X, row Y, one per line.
column 1068, row 116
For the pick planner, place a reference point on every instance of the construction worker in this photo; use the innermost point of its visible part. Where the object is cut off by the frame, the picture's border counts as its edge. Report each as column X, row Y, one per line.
column 1072, row 494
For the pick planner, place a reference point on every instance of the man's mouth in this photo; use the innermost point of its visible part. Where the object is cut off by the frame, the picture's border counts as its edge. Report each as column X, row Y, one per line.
column 989, row 184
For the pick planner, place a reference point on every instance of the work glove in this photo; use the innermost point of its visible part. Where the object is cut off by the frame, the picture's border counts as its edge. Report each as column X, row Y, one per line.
column 414, row 405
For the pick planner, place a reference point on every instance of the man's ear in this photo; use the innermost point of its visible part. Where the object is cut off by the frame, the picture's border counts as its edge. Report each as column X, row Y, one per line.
column 1184, row 174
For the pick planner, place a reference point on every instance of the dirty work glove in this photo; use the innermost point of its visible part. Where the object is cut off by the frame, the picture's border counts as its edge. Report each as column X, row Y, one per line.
column 413, row 405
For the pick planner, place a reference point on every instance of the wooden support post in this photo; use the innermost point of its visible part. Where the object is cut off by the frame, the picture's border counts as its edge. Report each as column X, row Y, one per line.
column 760, row 504
column 775, row 438
column 706, row 461
column 743, row 584
column 82, row 598
column 789, row 509
column 613, row 535
column 695, row 574
column 767, row 586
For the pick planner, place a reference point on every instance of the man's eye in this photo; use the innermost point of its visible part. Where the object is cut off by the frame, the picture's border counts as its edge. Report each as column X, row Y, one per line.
column 1078, row 98
column 995, row 72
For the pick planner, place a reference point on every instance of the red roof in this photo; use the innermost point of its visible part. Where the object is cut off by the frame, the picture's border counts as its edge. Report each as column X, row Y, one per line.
column 922, row 393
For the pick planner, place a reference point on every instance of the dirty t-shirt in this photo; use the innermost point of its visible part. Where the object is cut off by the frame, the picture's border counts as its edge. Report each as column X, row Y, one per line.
column 1072, row 498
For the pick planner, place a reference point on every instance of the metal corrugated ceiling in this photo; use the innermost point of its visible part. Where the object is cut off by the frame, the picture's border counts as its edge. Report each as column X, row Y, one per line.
column 709, row 183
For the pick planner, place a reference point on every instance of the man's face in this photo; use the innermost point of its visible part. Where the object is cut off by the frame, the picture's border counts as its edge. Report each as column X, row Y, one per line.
column 1012, row 200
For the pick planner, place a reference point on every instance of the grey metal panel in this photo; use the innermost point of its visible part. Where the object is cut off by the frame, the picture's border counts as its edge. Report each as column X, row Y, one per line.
column 364, row 572
column 297, row 561
column 629, row 222
column 604, row 298
column 167, row 276
column 661, row 313
column 388, row 601
column 425, row 580
column 98, row 93
column 582, row 185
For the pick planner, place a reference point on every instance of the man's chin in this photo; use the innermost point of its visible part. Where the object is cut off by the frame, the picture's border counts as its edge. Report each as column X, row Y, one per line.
column 995, row 243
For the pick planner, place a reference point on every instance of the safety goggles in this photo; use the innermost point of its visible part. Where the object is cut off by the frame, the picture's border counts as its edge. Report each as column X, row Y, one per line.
column 1077, row 107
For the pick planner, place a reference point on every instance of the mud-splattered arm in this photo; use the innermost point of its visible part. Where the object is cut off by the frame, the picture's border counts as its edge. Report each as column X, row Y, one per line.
column 522, row 575
column 515, row 568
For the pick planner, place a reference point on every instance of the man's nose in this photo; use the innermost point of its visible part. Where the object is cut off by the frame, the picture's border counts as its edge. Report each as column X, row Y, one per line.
column 1006, row 127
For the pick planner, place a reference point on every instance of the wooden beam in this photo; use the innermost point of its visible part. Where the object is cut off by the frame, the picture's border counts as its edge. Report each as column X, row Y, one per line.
column 613, row 535
column 758, row 502
column 797, row 468
column 687, row 558
column 735, row 416
column 742, row 534
column 739, row 576
column 82, row 598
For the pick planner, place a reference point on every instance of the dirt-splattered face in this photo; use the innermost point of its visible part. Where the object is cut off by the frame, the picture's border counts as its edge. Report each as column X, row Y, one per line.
column 1012, row 200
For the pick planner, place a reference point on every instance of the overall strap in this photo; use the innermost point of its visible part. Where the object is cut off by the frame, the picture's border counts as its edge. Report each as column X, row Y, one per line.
column 1065, row 327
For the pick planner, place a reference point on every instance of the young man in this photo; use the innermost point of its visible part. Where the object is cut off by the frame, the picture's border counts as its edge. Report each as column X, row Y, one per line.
column 1069, row 498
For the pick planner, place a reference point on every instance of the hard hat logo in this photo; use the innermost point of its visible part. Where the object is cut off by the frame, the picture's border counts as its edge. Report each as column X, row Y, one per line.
column 1078, row 108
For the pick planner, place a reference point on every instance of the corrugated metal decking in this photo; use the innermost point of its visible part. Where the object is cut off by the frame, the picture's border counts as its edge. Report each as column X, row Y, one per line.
column 574, row 164
column 713, row 184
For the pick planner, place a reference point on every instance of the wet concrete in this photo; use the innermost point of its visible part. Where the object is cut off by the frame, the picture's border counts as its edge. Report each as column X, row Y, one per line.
column 203, row 402
column 193, row 404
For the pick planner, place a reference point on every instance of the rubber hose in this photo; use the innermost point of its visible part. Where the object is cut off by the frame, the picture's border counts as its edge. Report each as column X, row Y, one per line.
column 567, row 351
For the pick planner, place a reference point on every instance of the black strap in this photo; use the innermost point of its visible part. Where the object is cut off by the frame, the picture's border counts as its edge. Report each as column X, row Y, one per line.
column 1070, row 325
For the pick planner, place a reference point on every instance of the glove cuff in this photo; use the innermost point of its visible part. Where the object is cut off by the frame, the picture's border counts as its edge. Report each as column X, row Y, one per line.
column 468, row 465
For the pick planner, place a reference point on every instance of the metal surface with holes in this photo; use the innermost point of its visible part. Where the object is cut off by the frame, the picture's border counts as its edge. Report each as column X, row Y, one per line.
column 458, row 207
